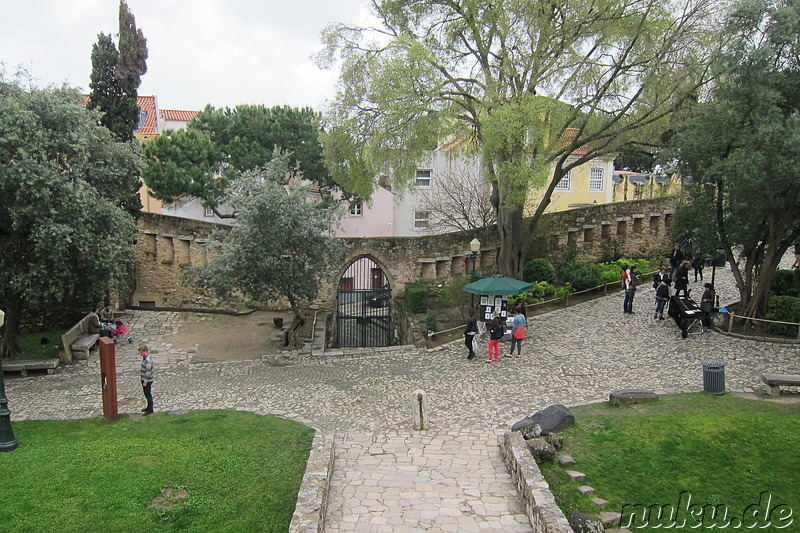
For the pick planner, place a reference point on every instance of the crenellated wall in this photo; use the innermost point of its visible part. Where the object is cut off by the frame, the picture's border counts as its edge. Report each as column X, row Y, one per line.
column 638, row 228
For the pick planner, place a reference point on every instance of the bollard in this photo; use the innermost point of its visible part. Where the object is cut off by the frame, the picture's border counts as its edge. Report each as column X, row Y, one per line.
column 419, row 405
column 108, row 379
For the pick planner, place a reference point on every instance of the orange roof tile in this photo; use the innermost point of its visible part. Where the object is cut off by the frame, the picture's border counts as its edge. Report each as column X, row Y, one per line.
column 149, row 105
column 178, row 115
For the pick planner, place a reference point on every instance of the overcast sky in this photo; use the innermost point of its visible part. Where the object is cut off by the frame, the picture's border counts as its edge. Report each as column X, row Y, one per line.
column 218, row 52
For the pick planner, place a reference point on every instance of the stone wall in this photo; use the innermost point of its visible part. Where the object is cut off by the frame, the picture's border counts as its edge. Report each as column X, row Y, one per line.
column 543, row 513
column 638, row 228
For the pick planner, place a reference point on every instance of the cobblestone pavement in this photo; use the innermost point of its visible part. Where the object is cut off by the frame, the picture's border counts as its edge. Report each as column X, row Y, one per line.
column 450, row 477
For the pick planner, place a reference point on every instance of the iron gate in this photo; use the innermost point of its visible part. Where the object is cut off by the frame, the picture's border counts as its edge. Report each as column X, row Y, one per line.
column 364, row 306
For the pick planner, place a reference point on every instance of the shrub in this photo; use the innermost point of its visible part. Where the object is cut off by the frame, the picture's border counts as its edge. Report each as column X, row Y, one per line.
column 453, row 293
column 609, row 272
column 786, row 283
column 539, row 270
column 432, row 321
column 784, row 309
column 417, row 297
column 581, row 276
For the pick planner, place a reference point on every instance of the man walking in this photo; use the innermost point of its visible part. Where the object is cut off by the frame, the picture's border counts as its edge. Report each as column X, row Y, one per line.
column 630, row 290
column 146, row 373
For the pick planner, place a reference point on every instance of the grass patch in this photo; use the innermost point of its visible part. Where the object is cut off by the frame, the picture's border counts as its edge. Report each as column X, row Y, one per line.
column 242, row 472
column 33, row 348
column 721, row 450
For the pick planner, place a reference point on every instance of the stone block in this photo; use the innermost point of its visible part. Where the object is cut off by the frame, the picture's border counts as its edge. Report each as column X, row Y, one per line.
column 631, row 397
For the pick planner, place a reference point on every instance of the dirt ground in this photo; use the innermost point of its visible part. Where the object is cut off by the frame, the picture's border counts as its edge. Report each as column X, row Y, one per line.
column 231, row 338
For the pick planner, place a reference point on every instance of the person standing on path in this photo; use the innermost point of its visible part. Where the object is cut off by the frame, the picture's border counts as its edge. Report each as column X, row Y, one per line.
column 796, row 253
column 675, row 259
column 496, row 331
column 662, row 295
column 146, row 374
column 707, row 303
column 469, row 334
column 630, row 290
column 682, row 279
column 660, row 276
column 698, row 262
column 517, row 333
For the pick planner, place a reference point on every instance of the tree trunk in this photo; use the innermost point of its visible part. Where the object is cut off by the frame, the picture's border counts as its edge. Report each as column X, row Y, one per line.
column 10, row 348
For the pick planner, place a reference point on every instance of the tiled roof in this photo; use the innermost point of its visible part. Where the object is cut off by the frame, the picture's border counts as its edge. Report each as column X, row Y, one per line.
column 569, row 135
column 149, row 105
column 178, row 115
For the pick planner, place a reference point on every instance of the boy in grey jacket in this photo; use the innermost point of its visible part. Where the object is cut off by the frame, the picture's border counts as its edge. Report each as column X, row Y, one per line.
column 146, row 373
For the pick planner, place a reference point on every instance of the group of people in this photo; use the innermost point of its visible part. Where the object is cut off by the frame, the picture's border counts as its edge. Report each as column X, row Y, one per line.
column 102, row 322
column 662, row 282
column 496, row 329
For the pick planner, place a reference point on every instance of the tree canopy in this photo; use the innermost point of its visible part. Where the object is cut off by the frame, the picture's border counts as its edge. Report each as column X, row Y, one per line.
column 281, row 246
column 742, row 147
column 537, row 85
column 62, row 236
column 220, row 143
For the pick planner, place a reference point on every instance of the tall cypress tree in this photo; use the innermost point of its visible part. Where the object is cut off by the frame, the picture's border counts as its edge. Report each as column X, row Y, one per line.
column 116, row 76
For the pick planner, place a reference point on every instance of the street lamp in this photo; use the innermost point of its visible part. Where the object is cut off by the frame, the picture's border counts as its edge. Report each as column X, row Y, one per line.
column 474, row 247
column 7, row 440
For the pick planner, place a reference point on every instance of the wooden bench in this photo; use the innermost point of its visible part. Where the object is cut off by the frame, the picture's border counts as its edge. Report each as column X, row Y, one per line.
column 78, row 341
column 776, row 381
column 23, row 365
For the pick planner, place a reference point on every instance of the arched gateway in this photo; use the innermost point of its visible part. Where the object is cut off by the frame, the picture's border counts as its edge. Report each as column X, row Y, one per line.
column 363, row 306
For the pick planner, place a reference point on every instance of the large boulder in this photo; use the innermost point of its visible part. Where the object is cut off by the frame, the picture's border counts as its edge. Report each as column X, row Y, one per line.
column 584, row 523
column 541, row 450
column 553, row 418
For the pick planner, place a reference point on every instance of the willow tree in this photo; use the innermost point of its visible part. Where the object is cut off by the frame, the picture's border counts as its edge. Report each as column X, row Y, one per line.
column 742, row 146
column 540, row 87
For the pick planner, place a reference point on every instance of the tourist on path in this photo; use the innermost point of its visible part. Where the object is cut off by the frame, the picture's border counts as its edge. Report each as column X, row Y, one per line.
column 517, row 333
column 675, row 259
column 660, row 276
column 707, row 303
column 662, row 295
column 146, row 374
column 682, row 279
column 698, row 262
column 796, row 263
column 630, row 290
column 469, row 334
column 496, row 331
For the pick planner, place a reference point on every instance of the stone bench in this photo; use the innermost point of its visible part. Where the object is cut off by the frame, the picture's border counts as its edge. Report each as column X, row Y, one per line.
column 776, row 381
column 23, row 365
column 78, row 341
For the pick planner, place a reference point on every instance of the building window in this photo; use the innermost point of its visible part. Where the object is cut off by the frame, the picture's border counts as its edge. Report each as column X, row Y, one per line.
column 421, row 219
column 208, row 212
column 595, row 179
column 423, row 178
column 566, row 182
column 356, row 209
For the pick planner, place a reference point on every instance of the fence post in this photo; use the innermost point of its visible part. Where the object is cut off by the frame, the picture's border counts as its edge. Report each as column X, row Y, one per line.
column 798, row 331
column 730, row 323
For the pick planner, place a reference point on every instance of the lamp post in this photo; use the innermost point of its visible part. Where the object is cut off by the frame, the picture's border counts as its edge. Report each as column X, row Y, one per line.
column 474, row 247
column 7, row 440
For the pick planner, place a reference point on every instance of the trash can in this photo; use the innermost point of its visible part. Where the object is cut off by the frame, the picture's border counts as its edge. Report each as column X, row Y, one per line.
column 714, row 376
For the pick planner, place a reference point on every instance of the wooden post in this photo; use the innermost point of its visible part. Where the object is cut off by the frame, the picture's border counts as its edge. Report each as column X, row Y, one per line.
column 730, row 323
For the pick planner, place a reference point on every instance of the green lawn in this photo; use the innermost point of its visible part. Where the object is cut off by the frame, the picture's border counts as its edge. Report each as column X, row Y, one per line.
column 721, row 450
column 242, row 472
column 33, row 347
